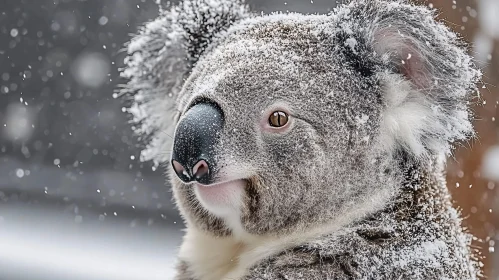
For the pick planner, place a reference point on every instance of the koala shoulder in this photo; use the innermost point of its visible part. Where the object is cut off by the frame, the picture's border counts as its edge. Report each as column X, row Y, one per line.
column 374, row 252
column 364, row 258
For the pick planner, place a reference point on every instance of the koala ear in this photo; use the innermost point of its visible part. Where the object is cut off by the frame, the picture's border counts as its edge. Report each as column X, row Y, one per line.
column 159, row 59
column 428, row 79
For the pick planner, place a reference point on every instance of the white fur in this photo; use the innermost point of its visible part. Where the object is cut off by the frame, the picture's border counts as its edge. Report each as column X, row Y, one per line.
column 224, row 203
column 408, row 118
column 221, row 199
column 421, row 117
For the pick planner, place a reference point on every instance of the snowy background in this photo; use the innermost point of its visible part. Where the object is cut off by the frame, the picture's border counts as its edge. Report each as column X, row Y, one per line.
column 75, row 202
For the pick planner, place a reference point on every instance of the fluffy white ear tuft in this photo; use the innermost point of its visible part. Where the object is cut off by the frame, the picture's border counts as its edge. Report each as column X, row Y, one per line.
column 411, row 121
column 428, row 77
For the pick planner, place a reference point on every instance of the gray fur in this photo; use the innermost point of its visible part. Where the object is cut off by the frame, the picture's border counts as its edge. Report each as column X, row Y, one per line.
column 343, row 156
column 418, row 236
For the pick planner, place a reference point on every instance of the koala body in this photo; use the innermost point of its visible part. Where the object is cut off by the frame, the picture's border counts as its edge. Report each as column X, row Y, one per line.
column 306, row 146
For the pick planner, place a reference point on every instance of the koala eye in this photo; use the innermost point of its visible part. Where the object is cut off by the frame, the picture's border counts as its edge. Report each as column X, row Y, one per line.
column 278, row 119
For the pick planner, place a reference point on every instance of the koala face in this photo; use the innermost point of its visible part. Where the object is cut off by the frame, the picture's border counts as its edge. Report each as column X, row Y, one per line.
column 280, row 66
column 288, row 122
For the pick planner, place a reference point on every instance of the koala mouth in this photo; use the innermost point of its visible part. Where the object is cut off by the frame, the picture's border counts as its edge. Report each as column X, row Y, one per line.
column 221, row 199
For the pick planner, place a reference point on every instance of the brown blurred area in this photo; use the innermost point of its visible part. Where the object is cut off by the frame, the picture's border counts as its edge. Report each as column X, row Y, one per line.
column 476, row 196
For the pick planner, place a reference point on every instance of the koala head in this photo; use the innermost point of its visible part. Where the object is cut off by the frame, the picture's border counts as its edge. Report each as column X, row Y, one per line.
column 285, row 122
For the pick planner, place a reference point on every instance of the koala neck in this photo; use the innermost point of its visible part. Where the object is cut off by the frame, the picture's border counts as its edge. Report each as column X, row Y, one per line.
column 209, row 257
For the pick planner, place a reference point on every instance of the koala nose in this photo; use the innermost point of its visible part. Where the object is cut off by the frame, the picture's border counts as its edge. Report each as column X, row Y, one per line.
column 193, row 157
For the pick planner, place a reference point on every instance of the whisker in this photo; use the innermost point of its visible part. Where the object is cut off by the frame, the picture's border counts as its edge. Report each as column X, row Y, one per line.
column 166, row 134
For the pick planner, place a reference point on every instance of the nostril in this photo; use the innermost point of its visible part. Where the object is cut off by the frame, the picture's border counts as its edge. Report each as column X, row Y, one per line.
column 179, row 168
column 200, row 169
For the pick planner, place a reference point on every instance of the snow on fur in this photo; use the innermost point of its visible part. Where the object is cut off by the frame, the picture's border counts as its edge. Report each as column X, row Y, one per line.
column 159, row 59
column 425, row 112
column 392, row 74
column 427, row 102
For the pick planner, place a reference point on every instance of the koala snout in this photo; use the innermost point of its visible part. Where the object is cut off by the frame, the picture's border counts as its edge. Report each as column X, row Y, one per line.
column 193, row 157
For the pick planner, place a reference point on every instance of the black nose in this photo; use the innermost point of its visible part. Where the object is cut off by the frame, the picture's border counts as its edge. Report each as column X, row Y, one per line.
column 193, row 157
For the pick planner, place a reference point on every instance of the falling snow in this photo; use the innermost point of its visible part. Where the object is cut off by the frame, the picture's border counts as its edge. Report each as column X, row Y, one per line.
column 490, row 164
column 70, row 163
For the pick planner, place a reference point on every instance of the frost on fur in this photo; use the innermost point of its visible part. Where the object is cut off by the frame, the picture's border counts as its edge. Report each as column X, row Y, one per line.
column 371, row 77
column 427, row 75
column 160, row 58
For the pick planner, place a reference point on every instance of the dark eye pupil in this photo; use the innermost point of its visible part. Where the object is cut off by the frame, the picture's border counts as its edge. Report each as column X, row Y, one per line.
column 278, row 119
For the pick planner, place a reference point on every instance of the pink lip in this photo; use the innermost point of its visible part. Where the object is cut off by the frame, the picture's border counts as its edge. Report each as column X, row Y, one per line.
column 225, row 194
column 218, row 184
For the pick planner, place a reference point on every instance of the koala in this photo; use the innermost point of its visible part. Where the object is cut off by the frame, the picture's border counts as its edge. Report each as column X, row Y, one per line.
column 306, row 146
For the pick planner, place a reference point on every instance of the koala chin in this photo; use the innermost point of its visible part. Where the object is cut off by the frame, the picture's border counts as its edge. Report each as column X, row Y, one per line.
column 306, row 146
